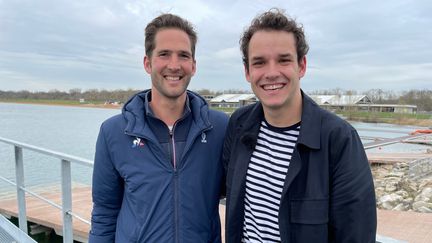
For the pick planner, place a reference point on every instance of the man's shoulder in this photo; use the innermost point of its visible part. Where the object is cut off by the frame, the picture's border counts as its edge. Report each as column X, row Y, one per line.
column 328, row 119
column 217, row 115
column 335, row 126
column 332, row 120
column 113, row 122
column 242, row 112
column 218, row 119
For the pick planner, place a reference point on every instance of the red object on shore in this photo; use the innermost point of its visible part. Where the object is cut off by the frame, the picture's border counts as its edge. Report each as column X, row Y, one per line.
column 426, row 131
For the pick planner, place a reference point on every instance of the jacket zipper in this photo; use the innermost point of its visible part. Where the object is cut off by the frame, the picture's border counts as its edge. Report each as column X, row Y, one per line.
column 174, row 164
column 176, row 217
column 171, row 132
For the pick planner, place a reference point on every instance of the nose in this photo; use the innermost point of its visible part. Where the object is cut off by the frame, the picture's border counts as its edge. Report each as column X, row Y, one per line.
column 272, row 71
column 173, row 63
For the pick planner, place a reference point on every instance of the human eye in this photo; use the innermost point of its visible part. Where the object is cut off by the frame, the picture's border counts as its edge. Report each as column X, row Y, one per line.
column 185, row 55
column 285, row 60
column 163, row 54
column 257, row 63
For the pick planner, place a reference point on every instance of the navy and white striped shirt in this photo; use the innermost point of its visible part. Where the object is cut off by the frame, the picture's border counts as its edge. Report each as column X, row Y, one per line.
column 265, row 178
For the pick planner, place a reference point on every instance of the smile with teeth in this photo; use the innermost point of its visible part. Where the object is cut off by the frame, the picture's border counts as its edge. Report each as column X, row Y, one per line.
column 173, row 78
column 272, row 86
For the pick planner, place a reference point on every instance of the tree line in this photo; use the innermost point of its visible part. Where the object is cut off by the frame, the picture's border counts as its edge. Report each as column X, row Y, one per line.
column 91, row 95
column 421, row 98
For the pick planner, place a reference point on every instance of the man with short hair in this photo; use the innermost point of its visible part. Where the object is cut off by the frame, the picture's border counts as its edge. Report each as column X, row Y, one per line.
column 158, row 170
column 295, row 172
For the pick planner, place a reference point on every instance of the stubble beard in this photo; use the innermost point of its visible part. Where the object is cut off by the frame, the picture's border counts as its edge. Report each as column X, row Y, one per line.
column 169, row 92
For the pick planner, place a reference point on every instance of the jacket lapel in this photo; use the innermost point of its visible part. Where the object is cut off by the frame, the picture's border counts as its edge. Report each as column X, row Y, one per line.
column 247, row 130
column 309, row 137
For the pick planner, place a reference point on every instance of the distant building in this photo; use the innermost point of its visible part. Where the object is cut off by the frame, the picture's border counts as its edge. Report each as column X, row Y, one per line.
column 232, row 100
column 208, row 97
column 329, row 102
column 81, row 100
column 407, row 109
column 359, row 103
column 342, row 100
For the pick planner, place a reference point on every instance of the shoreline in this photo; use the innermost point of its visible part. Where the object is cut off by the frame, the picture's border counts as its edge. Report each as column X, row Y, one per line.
column 88, row 105
column 395, row 121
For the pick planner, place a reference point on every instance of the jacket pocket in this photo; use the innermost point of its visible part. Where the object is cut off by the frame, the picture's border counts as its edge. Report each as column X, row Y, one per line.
column 309, row 211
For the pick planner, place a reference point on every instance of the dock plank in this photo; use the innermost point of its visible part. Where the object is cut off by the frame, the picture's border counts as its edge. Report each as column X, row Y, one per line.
column 376, row 157
column 409, row 226
column 40, row 212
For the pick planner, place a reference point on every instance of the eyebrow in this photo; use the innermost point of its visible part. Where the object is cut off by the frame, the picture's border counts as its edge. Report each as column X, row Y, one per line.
column 257, row 58
column 186, row 52
column 171, row 51
column 164, row 50
column 286, row 55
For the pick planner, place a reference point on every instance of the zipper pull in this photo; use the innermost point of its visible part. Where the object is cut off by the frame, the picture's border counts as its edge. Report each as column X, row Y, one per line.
column 170, row 130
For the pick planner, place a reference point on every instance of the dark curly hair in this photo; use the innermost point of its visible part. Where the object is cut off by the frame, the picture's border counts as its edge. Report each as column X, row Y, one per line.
column 274, row 19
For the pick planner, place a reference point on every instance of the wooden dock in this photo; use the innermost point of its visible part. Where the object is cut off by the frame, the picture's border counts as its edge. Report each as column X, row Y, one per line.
column 409, row 226
column 389, row 158
column 41, row 213
column 385, row 142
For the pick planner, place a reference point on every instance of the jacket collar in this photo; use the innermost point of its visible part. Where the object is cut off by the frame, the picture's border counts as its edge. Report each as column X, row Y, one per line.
column 149, row 111
column 250, row 128
column 310, row 130
column 136, row 109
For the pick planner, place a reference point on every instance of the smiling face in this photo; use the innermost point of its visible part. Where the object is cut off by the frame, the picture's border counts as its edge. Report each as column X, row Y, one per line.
column 171, row 65
column 274, row 71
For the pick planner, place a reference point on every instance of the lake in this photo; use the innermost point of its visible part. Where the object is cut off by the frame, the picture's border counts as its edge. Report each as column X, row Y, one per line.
column 70, row 130
column 73, row 130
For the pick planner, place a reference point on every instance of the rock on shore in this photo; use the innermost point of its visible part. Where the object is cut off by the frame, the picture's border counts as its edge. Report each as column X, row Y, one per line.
column 396, row 191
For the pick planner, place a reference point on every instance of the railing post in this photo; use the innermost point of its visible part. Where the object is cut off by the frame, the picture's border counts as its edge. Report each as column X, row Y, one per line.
column 19, row 173
column 66, row 201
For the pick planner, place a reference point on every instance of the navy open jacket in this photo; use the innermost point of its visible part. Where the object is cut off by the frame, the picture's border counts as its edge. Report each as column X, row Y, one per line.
column 328, row 194
column 138, row 196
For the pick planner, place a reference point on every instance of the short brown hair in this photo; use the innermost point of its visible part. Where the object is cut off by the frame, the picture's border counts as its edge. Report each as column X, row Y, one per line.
column 274, row 19
column 166, row 21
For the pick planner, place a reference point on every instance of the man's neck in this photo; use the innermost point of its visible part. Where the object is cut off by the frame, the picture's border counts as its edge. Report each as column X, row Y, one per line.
column 168, row 110
column 285, row 116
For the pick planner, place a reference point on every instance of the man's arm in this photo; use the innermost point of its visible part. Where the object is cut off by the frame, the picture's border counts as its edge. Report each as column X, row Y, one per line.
column 107, row 192
column 352, row 204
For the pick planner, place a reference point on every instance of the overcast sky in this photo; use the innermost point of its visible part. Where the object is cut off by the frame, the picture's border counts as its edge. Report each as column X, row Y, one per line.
column 354, row 44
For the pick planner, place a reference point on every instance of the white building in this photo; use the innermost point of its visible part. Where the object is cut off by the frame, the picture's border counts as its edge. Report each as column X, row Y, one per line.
column 359, row 103
column 232, row 100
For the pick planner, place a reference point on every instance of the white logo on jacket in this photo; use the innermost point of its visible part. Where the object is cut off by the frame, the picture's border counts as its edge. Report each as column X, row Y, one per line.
column 203, row 138
column 137, row 143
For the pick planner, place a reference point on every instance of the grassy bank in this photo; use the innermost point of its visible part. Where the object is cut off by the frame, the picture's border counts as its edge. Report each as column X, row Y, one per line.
column 48, row 102
column 424, row 120
column 95, row 104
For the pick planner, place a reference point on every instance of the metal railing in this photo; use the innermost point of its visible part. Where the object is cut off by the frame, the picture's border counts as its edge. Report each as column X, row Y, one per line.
column 66, row 186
